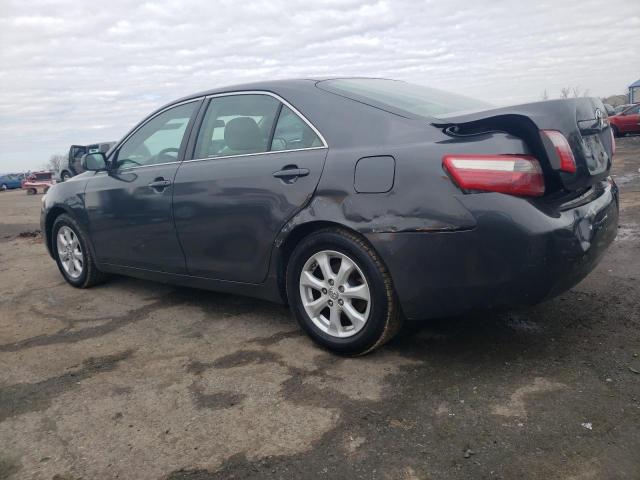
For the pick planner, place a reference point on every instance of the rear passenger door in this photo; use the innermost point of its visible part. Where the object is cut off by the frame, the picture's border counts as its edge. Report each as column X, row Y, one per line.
column 256, row 162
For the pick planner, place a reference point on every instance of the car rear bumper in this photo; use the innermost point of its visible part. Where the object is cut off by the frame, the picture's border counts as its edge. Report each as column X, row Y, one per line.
column 518, row 254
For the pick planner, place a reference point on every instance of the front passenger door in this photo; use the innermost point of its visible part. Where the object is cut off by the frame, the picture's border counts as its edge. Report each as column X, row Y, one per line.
column 129, row 208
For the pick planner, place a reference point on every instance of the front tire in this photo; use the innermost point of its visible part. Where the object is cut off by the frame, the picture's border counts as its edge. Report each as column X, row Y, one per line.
column 341, row 294
column 72, row 254
column 3, row 187
column 65, row 176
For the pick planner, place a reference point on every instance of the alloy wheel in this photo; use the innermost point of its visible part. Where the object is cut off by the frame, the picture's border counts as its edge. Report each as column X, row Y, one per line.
column 335, row 294
column 70, row 252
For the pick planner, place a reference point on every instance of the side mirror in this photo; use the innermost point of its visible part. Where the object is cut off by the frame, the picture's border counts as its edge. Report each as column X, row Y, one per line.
column 94, row 162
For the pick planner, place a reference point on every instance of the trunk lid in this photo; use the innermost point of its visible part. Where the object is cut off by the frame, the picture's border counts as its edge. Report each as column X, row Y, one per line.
column 583, row 121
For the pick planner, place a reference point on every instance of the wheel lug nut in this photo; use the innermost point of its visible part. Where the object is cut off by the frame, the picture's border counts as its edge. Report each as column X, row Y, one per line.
column 341, row 302
column 341, row 289
column 330, row 303
column 324, row 291
column 330, row 282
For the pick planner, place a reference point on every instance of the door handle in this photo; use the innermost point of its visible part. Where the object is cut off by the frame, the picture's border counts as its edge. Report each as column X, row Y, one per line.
column 290, row 173
column 159, row 184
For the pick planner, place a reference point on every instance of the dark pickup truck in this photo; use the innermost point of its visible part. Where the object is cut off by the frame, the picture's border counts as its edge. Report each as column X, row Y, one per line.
column 72, row 165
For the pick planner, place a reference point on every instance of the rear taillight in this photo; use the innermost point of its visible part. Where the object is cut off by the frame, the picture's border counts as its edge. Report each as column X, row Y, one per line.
column 512, row 174
column 563, row 149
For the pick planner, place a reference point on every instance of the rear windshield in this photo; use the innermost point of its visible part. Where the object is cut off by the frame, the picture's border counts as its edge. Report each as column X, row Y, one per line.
column 402, row 96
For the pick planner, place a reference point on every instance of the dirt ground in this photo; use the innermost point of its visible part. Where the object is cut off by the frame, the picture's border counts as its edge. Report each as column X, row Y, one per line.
column 136, row 380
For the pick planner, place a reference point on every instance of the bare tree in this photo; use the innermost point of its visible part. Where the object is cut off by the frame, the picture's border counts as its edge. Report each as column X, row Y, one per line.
column 573, row 92
column 55, row 161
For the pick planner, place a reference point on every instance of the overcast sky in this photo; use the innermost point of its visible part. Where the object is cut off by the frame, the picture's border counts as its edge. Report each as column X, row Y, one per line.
column 85, row 71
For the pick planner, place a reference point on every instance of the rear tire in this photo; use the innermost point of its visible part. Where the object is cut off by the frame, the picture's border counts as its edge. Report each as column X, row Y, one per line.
column 31, row 191
column 3, row 187
column 354, row 310
column 72, row 254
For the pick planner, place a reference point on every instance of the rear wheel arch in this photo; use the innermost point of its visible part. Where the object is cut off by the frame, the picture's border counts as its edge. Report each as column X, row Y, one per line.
column 299, row 233
column 384, row 319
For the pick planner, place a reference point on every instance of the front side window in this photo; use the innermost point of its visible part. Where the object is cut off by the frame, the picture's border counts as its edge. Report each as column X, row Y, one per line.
column 237, row 125
column 292, row 133
column 158, row 140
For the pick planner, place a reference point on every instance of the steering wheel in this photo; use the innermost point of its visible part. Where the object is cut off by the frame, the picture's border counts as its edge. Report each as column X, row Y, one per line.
column 127, row 160
column 283, row 143
column 166, row 151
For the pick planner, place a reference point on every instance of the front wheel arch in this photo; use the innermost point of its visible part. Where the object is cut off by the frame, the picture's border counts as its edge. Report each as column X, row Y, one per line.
column 50, row 219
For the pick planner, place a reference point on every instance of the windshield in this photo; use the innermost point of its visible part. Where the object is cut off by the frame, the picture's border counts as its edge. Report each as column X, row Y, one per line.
column 407, row 97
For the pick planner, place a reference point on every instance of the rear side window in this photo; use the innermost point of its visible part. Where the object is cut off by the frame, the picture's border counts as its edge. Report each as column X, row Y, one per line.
column 237, row 125
column 401, row 96
column 292, row 133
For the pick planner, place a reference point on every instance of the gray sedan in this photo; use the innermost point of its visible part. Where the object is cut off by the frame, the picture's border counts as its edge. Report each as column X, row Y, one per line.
column 359, row 202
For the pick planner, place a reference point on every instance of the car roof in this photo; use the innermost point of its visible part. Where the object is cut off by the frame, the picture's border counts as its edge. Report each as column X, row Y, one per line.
column 274, row 86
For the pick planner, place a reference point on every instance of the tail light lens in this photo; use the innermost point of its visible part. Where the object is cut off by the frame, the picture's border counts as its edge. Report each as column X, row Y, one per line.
column 563, row 149
column 512, row 174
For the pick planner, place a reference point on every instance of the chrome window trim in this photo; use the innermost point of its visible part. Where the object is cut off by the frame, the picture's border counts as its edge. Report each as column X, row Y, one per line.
column 116, row 150
column 137, row 167
column 284, row 102
column 213, row 157
column 253, row 154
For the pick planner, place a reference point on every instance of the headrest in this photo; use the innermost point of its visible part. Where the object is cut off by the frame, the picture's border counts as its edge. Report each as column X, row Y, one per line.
column 243, row 133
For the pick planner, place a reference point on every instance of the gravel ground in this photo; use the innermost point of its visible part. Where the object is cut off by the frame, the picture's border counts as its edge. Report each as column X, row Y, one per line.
column 138, row 380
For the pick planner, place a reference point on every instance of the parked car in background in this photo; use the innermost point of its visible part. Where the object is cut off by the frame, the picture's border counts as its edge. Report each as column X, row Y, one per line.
column 621, row 108
column 9, row 181
column 72, row 165
column 610, row 110
column 38, row 182
column 627, row 121
column 359, row 202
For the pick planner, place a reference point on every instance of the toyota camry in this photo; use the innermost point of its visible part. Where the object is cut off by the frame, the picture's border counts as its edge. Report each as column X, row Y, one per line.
column 358, row 202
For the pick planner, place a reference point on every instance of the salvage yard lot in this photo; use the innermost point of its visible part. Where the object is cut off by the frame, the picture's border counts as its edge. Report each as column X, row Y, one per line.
column 139, row 380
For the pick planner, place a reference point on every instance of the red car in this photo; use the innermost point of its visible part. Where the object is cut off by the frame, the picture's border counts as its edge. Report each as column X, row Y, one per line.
column 627, row 121
column 38, row 181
